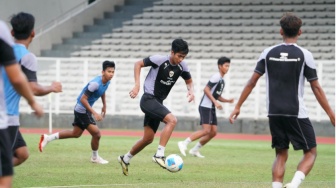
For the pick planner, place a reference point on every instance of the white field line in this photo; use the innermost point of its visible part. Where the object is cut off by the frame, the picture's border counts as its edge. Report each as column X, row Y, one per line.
column 320, row 183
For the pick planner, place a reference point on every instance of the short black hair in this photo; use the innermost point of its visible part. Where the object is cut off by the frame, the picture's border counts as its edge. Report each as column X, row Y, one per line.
column 22, row 24
column 180, row 46
column 290, row 24
column 223, row 60
column 107, row 64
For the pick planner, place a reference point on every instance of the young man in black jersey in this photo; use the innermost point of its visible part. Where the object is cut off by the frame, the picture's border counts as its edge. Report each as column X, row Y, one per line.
column 286, row 67
column 164, row 72
column 207, row 109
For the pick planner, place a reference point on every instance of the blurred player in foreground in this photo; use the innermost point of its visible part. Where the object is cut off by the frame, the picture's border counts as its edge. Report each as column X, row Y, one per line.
column 23, row 33
column 11, row 68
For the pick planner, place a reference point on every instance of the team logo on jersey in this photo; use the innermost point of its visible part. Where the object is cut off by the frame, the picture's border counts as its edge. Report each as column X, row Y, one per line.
column 165, row 65
column 171, row 73
column 283, row 55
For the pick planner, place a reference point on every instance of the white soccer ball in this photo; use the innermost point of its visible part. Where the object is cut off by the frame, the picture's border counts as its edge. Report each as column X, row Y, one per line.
column 174, row 163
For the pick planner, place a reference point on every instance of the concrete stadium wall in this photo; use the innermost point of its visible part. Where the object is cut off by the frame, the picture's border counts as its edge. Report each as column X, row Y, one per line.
column 65, row 29
column 244, row 126
column 44, row 11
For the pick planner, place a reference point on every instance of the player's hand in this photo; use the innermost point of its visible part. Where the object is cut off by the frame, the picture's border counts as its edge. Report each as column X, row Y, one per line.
column 218, row 105
column 98, row 117
column 231, row 100
column 134, row 92
column 190, row 96
column 38, row 110
column 234, row 115
column 103, row 112
column 332, row 119
column 56, row 87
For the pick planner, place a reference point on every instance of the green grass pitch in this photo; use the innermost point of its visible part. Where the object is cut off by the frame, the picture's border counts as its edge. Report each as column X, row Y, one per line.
column 227, row 163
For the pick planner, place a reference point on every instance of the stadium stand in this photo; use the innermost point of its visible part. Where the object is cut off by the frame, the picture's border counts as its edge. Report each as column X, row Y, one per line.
column 144, row 23
column 238, row 29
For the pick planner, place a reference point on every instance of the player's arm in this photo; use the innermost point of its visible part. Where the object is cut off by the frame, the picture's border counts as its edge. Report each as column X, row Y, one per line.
column 207, row 92
column 84, row 100
column 104, row 105
column 137, row 70
column 322, row 99
column 243, row 96
column 190, row 87
column 20, row 84
column 40, row 90
column 221, row 99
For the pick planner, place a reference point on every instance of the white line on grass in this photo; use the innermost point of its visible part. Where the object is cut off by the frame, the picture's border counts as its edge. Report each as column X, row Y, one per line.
column 139, row 184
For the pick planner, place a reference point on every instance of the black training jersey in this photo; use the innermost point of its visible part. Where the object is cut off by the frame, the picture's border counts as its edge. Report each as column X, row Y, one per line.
column 286, row 67
column 7, row 57
column 163, row 75
column 216, row 85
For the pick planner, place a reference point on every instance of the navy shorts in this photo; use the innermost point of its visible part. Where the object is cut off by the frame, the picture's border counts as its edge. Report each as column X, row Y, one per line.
column 297, row 131
column 6, row 155
column 16, row 138
column 83, row 120
column 154, row 110
column 207, row 115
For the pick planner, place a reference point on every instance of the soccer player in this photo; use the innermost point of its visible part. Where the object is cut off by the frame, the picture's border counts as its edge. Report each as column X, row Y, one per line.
column 83, row 112
column 163, row 74
column 207, row 109
column 9, row 65
column 23, row 32
column 286, row 66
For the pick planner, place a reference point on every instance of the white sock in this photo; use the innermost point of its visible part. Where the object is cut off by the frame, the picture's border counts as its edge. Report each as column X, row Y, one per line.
column 197, row 147
column 276, row 184
column 94, row 154
column 127, row 157
column 52, row 137
column 187, row 141
column 298, row 178
column 160, row 151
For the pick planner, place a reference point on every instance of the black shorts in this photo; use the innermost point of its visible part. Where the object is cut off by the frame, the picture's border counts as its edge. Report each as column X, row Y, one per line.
column 207, row 115
column 83, row 120
column 6, row 155
column 16, row 138
column 299, row 132
column 154, row 111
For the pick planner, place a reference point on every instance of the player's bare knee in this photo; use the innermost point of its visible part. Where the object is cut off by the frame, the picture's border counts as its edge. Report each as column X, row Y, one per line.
column 206, row 131
column 213, row 134
column 77, row 135
column 172, row 121
column 147, row 140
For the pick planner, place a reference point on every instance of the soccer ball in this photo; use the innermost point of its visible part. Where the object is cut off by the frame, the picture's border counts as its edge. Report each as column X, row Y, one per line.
column 174, row 163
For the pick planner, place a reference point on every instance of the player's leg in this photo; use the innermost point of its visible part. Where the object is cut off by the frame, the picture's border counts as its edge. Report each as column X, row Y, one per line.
column 6, row 165
column 212, row 133
column 205, row 131
column 81, row 121
column 209, row 117
column 170, row 121
column 146, row 139
column 302, row 136
column 205, row 120
column 21, row 152
column 279, row 166
column 76, row 132
column 280, row 142
column 95, row 133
